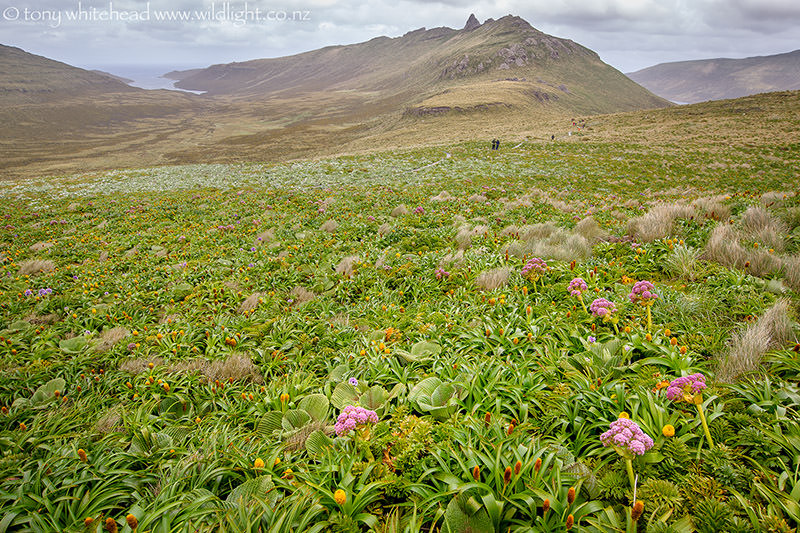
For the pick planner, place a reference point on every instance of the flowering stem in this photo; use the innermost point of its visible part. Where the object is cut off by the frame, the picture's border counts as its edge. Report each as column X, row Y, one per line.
column 616, row 328
column 705, row 425
column 649, row 320
column 629, row 467
column 580, row 299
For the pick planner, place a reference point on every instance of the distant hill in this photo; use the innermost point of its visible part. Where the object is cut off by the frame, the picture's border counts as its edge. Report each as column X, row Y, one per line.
column 719, row 79
column 548, row 72
column 25, row 77
column 501, row 78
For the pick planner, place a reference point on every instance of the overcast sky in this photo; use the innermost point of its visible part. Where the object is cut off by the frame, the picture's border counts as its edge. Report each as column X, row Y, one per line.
column 628, row 34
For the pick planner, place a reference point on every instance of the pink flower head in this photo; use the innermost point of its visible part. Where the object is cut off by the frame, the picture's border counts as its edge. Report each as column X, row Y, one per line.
column 577, row 286
column 602, row 308
column 442, row 273
column 353, row 417
column 534, row 268
column 642, row 292
column 686, row 387
column 627, row 438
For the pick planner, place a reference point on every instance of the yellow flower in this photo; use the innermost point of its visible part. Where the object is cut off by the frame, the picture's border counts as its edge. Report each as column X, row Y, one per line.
column 340, row 496
column 623, row 414
column 259, row 463
column 668, row 431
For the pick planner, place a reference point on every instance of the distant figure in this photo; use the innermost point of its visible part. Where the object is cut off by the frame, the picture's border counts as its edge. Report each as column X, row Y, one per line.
column 552, row 137
column 495, row 144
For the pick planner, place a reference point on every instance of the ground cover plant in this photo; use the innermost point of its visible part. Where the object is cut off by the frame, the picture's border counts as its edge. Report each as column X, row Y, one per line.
column 566, row 336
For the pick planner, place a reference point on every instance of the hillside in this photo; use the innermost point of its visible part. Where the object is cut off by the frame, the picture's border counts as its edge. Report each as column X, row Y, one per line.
column 548, row 72
column 500, row 78
column 25, row 77
column 718, row 79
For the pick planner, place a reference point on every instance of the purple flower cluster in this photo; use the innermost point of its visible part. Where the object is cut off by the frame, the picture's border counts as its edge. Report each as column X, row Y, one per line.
column 602, row 308
column 353, row 417
column 684, row 388
column 419, row 210
column 577, row 286
column 353, row 382
column 442, row 273
column 535, row 267
column 625, row 435
column 45, row 292
column 642, row 292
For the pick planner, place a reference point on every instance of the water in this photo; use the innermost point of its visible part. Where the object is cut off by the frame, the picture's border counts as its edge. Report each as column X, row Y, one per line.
column 145, row 76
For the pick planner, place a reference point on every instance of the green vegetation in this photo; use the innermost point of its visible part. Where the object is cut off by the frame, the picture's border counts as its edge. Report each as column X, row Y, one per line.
column 179, row 343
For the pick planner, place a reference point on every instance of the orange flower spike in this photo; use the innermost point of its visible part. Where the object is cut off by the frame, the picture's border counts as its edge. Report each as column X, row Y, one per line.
column 637, row 510
column 571, row 495
column 507, row 475
column 570, row 522
column 476, row 473
column 545, row 506
column 111, row 525
column 517, row 468
column 133, row 523
column 537, row 465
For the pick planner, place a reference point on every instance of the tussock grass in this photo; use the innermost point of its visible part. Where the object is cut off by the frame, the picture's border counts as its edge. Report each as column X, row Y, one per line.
column 537, row 231
column 455, row 260
column 775, row 198
column 110, row 337
column 301, row 295
column 384, row 229
column 109, row 422
column 463, row 238
column 238, row 367
column 264, row 237
column 658, row 223
column 34, row 266
column 40, row 246
column 791, row 272
column 561, row 246
column 713, row 208
column 724, row 247
column 589, row 229
column 330, row 226
column 399, row 211
column 491, row 280
column 443, row 196
column 250, row 303
column 138, row 365
column 772, row 330
column 477, row 198
column 347, row 266
column 683, row 262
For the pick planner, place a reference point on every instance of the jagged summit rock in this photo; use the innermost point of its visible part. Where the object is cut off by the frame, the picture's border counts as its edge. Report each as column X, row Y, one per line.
column 472, row 23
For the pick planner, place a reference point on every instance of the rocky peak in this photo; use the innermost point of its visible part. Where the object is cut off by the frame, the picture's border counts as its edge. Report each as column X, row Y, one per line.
column 472, row 23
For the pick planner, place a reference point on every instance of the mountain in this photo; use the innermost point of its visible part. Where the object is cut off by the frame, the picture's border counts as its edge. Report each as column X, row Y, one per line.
column 548, row 71
column 719, row 79
column 25, row 77
column 501, row 78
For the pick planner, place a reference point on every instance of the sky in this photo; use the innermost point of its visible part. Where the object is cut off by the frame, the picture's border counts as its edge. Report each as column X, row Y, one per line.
column 169, row 34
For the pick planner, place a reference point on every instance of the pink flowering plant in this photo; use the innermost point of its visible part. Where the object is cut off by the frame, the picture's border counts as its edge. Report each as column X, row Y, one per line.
column 643, row 293
column 534, row 269
column 576, row 288
column 690, row 389
column 606, row 311
column 629, row 441
column 356, row 420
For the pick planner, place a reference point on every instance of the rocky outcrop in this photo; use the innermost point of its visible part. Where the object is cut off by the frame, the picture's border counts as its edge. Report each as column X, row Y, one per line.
column 472, row 23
